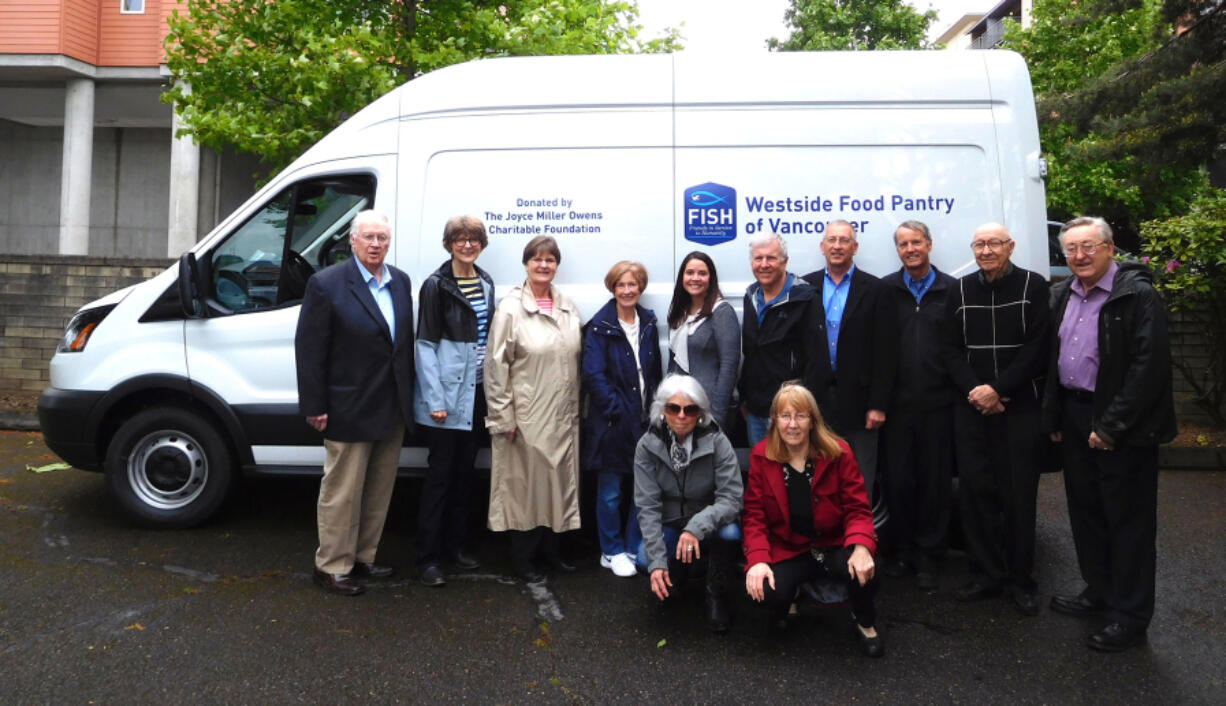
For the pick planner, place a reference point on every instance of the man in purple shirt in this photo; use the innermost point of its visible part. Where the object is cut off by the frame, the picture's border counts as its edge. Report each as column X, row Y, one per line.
column 1109, row 404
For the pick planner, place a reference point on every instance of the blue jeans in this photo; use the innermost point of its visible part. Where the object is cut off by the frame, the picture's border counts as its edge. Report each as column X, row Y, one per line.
column 755, row 428
column 608, row 516
column 730, row 532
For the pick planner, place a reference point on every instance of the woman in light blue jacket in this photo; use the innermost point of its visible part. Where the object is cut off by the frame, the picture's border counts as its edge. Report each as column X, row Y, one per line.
column 453, row 314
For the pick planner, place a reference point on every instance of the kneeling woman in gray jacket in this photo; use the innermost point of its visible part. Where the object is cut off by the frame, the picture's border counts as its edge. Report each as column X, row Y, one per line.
column 687, row 486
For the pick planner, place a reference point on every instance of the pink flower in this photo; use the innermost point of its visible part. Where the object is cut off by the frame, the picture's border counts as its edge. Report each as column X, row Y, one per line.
column 1172, row 266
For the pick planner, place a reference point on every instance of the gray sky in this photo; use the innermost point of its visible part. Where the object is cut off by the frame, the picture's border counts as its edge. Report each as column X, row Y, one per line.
column 737, row 25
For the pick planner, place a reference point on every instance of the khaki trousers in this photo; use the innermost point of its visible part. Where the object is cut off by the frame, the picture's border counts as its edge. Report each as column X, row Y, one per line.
column 353, row 499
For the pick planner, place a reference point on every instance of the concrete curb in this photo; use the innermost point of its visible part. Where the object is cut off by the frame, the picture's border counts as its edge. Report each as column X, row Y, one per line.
column 1191, row 458
column 19, row 421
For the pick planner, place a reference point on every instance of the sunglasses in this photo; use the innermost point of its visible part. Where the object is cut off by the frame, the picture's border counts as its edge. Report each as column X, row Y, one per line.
column 691, row 410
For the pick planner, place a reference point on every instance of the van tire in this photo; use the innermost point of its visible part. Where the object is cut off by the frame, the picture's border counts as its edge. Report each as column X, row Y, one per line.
column 169, row 467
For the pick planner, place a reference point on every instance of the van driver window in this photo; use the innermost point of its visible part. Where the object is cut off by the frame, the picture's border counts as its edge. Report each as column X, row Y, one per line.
column 266, row 262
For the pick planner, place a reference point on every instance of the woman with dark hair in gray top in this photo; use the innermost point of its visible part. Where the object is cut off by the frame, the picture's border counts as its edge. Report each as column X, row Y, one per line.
column 704, row 337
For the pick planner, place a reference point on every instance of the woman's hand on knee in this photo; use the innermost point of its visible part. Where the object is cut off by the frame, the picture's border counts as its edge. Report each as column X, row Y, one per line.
column 756, row 578
column 860, row 565
column 660, row 583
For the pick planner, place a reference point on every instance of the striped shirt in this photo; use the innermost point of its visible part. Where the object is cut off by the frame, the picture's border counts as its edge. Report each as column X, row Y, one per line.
column 472, row 290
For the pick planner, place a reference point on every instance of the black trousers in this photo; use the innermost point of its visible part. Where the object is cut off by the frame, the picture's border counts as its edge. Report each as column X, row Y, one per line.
column 1113, row 510
column 527, row 546
column 998, row 483
column 791, row 573
column 442, row 516
column 918, row 480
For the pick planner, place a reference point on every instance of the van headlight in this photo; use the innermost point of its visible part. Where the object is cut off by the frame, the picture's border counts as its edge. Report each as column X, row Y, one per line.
column 81, row 327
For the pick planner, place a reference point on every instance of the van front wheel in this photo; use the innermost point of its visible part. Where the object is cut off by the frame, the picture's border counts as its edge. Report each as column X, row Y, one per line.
column 168, row 467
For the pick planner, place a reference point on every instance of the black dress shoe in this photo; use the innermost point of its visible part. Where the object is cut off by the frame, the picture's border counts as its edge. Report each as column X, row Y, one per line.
column 1077, row 605
column 560, row 564
column 338, row 583
column 432, row 576
column 871, row 646
column 1027, row 603
column 371, row 570
column 465, row 562
column 976, row 590
column 718, row 617
column 897, row 568
column 1117, row 638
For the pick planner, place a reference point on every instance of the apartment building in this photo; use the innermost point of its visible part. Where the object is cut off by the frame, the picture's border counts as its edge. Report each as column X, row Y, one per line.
column 89, row 164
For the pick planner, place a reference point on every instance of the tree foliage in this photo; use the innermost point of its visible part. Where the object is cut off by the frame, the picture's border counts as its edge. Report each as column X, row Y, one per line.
column 1127, row 106
column 1188, row 254
column 272, row 78
column 854, row 24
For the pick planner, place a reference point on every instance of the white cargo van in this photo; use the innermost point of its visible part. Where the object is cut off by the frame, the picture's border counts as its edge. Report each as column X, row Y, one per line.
column 175, row 386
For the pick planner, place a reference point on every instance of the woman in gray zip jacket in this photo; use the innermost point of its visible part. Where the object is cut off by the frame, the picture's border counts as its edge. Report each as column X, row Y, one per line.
column 687, row 486
column 453, row 314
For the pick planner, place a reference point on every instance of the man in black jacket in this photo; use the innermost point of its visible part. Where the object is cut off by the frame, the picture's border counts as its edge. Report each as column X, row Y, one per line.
column 850, row 369
column 917, row 473
column 773, row 337
column 997, row 338
column 354, row 353
column 1109, row 404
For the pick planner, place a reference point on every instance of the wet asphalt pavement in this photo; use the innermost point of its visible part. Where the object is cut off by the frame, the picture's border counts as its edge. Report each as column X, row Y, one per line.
column 95, row 610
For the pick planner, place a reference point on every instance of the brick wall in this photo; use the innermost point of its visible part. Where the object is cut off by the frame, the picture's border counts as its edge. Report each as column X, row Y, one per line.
column 39, row 293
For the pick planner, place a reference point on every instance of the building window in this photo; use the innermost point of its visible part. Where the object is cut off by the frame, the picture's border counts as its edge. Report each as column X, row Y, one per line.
column 132, row 7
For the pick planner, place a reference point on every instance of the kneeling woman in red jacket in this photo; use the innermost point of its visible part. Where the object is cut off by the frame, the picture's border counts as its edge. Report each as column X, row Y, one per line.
column 807, row 515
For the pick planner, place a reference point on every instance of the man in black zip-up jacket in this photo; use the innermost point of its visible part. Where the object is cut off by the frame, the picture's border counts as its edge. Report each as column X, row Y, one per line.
column 774, row 335
column 1109, row 403
column 918, row 438
column 997, row 357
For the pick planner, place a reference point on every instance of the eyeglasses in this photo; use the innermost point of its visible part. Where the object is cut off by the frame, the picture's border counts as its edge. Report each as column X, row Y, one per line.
column 993, row 245
column 1072, row 249
column 466, row 241
column 840, row 240
column 690, row 410
column 799, row 418
column 380, row 238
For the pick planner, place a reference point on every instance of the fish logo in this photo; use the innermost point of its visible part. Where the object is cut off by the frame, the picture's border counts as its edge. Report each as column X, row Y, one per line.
column 709, row 212
column 712, row 199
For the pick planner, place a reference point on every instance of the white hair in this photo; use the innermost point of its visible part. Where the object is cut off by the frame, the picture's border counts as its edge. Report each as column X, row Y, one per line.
column 677, row 384
column 368, row 216
column 1104, row 230
column 761, row 240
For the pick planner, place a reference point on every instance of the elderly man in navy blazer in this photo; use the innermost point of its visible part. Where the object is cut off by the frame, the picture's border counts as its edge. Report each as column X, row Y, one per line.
column 354, row 349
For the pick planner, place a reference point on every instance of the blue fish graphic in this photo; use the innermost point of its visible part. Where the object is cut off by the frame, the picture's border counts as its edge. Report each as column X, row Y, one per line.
column 713, row 198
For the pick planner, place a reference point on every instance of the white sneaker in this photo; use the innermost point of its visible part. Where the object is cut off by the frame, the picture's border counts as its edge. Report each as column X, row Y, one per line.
column 620, row 564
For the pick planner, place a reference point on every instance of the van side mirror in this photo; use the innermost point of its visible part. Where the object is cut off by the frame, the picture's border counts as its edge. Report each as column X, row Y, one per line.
column 189, row 287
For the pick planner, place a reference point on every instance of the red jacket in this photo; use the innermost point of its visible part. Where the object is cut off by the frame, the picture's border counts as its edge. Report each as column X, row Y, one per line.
column 841, row 513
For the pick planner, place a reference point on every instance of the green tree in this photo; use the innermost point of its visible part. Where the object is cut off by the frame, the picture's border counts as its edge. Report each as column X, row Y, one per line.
column 1125, row 103
column 272, row 78
column 854, row 24
column 1188, row 254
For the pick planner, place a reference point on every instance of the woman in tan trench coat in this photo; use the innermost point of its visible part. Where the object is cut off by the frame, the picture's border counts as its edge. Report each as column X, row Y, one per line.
column 532, row 389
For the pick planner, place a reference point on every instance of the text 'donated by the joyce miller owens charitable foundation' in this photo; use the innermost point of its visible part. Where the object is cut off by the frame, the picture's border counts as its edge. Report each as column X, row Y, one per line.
column 542, row 216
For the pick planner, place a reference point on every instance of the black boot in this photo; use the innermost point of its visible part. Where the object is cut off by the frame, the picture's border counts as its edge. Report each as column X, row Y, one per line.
column 718, row 615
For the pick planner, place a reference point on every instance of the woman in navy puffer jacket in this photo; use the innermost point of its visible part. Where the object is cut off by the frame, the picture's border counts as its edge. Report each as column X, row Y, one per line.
column 621, row 369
